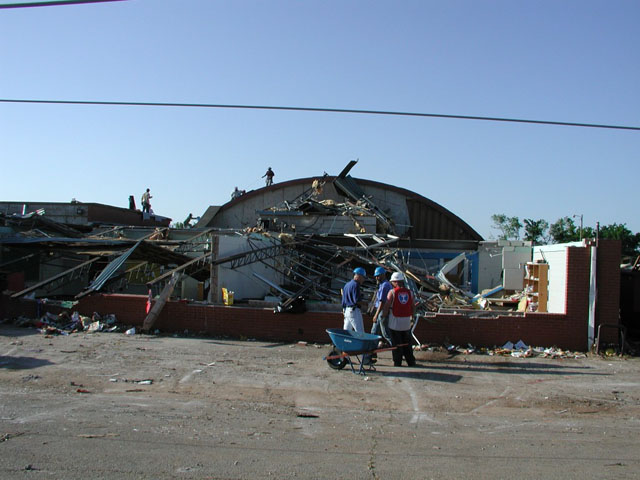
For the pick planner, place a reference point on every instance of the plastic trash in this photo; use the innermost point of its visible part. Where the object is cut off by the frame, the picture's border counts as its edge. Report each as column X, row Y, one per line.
column 131, row 331
column 521, row 345
column 94, row 327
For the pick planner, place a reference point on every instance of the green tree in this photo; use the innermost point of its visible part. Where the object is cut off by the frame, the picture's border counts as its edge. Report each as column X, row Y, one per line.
column 177, row 225
column 535, row 230
column 564, row 230
column 509, row 226
column 630, row 242
column 588, row 232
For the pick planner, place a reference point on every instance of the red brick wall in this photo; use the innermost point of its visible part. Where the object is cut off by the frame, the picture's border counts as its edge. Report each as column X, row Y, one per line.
column 14, row 308
column 568, row 330
column 608, row 288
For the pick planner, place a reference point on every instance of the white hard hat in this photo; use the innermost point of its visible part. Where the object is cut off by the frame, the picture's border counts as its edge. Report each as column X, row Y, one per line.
column 397, row 277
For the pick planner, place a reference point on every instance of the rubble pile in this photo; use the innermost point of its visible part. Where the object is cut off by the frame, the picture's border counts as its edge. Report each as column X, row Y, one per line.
column 305, row 266
column 65, row 323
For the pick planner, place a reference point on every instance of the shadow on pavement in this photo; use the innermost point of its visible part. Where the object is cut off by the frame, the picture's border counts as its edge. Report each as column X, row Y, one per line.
column 22, row 363
column 514, row 368
column 244, row 343
column 13, row 331
column 419, row 372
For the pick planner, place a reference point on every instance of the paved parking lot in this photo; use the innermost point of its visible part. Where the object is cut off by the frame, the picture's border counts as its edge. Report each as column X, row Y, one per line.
column 109, row 405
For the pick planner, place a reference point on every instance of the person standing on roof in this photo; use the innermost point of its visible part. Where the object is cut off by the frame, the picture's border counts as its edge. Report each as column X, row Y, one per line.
column 400, row 308
column 146, row 201
column 352, row 301
column 269, row 175
column 236, row 193
column 380, row 322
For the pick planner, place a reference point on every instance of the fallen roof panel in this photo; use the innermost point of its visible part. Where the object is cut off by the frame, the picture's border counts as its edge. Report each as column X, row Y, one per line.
column 109, row 271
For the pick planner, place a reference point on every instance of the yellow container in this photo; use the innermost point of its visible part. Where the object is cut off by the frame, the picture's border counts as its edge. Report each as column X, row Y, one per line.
column 227, row 296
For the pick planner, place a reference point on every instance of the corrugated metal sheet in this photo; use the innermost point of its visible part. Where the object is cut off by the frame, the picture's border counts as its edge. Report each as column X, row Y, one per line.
column 110, row 270
column 431, row 223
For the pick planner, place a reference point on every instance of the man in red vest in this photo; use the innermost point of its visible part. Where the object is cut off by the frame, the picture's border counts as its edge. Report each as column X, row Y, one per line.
column 400, row 307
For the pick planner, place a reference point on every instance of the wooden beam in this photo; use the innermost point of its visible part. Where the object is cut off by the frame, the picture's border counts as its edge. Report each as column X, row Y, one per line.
column 160, row 303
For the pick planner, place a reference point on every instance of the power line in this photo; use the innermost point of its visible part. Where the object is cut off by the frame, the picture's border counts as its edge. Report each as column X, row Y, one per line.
column 54, row 3
column 317, row 109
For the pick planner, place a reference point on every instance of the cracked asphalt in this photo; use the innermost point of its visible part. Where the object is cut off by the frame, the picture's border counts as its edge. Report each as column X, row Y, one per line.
column 113, row 406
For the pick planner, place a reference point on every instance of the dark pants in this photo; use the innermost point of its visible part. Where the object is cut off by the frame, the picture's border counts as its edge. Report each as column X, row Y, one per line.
column 398, row 337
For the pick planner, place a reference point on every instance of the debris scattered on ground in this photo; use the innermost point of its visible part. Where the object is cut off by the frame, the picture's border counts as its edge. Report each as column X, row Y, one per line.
column 65, row 323
column 7, row 436
column 98, row 435
column 517, row 350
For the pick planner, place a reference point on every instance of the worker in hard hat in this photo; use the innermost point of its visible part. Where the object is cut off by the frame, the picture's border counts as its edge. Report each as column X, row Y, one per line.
column 400, row 307
column 352, row 302
column 380, row 322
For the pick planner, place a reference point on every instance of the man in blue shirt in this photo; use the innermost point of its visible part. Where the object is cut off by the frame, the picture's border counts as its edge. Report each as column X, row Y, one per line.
column 352, row 301
column 380, row 321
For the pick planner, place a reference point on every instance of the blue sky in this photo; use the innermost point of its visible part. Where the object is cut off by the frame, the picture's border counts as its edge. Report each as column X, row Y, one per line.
column 571, row 61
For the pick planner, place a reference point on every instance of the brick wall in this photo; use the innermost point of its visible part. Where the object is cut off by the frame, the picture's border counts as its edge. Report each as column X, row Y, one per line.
column 608, row 286
column 568, row 330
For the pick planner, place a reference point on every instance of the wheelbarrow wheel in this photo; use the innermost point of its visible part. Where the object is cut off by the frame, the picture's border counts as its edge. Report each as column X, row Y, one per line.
column 336, row 363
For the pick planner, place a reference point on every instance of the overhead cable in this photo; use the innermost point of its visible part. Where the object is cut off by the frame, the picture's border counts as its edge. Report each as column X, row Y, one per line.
column 318, row 109
column 54, row 3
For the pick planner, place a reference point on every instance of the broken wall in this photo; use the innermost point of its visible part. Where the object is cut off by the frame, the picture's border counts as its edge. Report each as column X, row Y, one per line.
column 83, row 214
column 489, row 266
column 241, row 280
column 515, row 255
column 241, row 212
column 68, row 213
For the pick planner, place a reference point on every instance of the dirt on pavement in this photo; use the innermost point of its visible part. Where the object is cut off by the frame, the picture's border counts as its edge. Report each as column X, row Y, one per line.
column 110, row 405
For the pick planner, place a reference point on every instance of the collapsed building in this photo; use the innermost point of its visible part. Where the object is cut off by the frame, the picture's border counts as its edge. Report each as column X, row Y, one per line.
column 290, row 247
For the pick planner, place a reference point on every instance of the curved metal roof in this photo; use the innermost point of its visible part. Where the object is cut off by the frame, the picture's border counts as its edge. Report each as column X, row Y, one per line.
column 428, row 219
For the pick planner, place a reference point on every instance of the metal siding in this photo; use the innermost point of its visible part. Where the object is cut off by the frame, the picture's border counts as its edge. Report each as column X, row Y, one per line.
column 430, row 223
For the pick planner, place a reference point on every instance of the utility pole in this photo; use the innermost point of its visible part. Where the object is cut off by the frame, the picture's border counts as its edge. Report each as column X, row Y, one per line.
column 580, row 215
column 214, row 294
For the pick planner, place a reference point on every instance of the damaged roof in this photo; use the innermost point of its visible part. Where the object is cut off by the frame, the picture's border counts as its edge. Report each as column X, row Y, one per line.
column 412, row 215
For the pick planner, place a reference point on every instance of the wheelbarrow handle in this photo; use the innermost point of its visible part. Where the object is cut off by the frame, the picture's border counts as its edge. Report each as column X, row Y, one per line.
column 365, row 352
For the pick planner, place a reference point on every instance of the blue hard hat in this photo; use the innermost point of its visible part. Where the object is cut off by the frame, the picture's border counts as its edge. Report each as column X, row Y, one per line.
column 379, row 271
column 360, row 271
